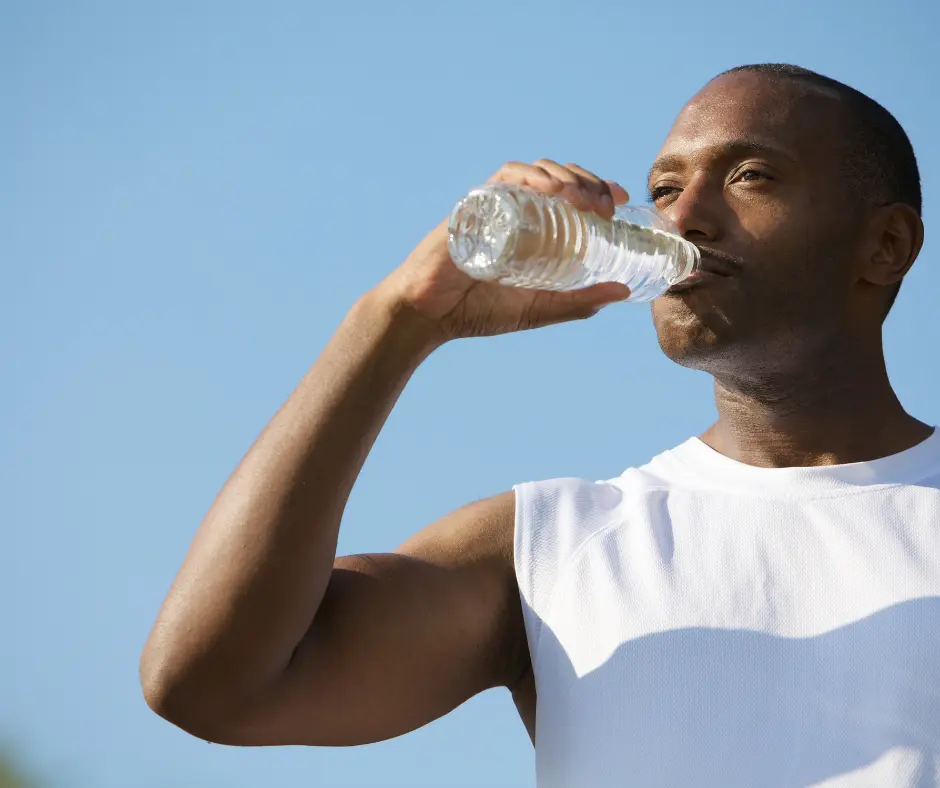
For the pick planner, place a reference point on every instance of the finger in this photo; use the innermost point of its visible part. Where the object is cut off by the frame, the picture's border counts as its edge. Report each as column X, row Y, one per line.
column 536, row 178
column 597, row 185
column 558, row 171
column 581, row 192
column 605, row 293
column 620, row 195
column 550, row 307
column 591, row 180
column 588, row 180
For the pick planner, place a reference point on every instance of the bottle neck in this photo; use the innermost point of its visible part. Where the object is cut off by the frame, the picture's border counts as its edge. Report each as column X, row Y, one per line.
column 693, row 259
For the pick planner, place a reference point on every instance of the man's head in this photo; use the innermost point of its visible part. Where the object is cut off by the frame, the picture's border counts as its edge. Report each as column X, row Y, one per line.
column 809, row 193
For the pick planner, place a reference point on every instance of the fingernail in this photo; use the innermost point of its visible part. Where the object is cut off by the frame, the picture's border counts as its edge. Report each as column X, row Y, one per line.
column 614, row 184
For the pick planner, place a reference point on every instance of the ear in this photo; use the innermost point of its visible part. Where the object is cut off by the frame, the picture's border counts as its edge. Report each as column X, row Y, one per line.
column 897, row 235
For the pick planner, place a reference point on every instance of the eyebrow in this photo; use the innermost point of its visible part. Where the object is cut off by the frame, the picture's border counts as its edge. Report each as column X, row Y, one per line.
column 726, row 150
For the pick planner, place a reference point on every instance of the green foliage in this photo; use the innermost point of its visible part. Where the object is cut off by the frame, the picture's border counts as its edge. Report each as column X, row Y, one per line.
column 11, row 776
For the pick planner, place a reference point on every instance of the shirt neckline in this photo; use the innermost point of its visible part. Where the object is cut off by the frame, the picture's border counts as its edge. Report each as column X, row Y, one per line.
column 710, row 467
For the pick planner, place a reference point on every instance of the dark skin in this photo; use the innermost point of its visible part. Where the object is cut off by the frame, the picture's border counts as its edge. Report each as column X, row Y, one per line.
column 267, row 637
column 794, row 336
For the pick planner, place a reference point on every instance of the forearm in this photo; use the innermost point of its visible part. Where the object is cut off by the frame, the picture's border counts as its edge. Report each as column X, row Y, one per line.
column 261, row 560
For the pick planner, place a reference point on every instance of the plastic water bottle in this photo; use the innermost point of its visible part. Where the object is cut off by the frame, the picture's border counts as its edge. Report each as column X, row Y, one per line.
column 515, row 236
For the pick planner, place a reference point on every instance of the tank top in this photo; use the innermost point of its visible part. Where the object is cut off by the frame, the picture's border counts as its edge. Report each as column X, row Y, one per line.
column 700, row 622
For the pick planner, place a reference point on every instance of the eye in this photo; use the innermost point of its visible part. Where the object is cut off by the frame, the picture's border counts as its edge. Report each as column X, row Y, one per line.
column 749, row 175
column 658, row 192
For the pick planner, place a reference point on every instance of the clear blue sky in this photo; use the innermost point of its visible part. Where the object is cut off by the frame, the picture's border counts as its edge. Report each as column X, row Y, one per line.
column 192, row 196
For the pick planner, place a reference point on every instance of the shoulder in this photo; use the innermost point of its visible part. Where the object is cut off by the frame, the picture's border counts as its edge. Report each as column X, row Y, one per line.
column 557, row 516
column 477, row 533
column 557, row 519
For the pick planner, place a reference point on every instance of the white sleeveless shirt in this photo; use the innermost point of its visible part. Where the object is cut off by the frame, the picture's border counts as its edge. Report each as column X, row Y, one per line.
column 698, row 622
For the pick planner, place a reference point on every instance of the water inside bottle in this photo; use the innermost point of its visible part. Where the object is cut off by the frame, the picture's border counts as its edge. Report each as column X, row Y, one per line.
column 526, row 240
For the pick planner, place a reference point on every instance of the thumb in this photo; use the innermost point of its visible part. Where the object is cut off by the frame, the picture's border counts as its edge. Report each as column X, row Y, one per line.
column 604, row 293
column 557, row 306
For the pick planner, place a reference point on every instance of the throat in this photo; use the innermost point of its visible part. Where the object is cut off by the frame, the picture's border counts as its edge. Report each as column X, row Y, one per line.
column 819, row 418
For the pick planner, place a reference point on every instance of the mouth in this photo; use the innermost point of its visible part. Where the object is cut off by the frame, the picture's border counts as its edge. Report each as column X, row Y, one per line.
column 714, row 267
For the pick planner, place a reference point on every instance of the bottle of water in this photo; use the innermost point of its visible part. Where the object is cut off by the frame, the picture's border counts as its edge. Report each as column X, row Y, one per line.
column 515, row 236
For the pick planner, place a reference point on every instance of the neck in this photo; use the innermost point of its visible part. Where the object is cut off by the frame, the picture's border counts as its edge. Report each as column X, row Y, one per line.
column 834, row 407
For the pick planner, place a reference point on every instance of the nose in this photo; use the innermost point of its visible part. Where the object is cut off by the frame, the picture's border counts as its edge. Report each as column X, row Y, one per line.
column 697, row 211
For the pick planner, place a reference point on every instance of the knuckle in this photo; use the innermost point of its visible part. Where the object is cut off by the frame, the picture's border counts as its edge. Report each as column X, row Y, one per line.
column 593, row 184
column 515, row 166
column 510, row 172
column 584, row 171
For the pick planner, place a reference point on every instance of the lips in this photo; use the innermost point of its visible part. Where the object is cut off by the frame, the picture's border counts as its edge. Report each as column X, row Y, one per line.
column 715, row 265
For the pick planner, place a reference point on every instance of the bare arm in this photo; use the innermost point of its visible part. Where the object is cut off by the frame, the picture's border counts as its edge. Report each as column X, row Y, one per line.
column 265, row 637
column 411, row 636
column 262, row 640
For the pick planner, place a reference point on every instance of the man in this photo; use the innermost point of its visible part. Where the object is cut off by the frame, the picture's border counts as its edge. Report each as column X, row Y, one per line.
column 758, row 606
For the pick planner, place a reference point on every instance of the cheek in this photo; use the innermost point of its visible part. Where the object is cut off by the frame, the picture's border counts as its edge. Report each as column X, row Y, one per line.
column 809, row 260
column 787, row 253
column 766, row 231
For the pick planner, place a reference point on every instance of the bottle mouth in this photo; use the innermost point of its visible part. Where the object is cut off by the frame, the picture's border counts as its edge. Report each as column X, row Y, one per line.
column 687, row 262
column 694, row 259
column 482, row 232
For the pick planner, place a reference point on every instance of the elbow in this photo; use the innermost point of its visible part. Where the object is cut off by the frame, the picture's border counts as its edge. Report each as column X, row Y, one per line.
column 165, row 693
column 178, row 699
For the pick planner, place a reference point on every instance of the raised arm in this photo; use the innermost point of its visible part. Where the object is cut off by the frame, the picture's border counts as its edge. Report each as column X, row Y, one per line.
column 265, row 636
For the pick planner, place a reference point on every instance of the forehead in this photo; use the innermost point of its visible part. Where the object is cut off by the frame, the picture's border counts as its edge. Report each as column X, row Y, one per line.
column 756, row 110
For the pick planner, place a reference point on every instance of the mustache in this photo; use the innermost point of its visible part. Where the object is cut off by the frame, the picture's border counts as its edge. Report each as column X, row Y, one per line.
column 723, row 258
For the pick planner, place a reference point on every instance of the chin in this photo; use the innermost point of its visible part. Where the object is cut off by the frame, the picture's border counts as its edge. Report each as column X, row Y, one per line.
column 701, row 352
column 693, row 338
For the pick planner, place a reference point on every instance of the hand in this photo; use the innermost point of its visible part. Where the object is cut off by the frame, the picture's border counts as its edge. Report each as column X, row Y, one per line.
column 457, row 305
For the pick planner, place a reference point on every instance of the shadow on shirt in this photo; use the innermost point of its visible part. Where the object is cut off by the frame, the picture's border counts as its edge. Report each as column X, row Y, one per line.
column 711, row 707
